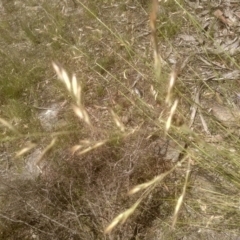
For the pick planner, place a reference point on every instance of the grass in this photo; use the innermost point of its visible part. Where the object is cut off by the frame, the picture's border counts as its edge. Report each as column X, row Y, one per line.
column 109, row 140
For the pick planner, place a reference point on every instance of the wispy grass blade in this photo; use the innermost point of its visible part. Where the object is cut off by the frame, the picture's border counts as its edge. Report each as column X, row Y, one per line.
column 26, row 149
column 8, row 125
column 118, row 121
column 45, row 151
column 122, row 217
column 74, row 88
column 172, row 111
column 81, row 112
column 181, row 198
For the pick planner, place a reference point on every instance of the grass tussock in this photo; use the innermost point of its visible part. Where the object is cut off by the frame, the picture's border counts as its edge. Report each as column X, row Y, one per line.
column 140, row 142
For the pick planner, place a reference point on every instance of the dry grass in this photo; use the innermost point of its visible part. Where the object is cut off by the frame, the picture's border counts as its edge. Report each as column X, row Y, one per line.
column 137, row 117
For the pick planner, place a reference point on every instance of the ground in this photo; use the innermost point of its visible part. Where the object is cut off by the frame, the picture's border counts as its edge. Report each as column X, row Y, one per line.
column 70, row 161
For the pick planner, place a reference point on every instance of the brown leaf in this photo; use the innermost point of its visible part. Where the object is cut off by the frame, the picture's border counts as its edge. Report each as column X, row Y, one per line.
column 219, row 15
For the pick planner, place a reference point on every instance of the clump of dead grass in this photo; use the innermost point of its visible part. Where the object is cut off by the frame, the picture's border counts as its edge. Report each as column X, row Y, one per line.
column 149, row 186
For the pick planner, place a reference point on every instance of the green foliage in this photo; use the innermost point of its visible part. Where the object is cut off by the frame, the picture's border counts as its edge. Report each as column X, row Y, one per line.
column 170, row 20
